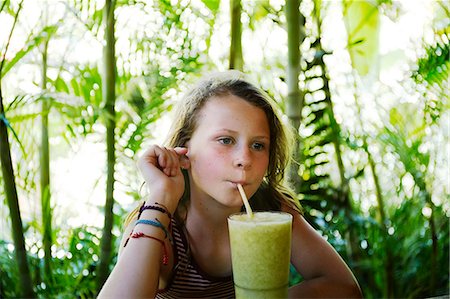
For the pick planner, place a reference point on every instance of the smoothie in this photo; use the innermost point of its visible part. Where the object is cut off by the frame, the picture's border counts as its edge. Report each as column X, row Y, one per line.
column 260, row 253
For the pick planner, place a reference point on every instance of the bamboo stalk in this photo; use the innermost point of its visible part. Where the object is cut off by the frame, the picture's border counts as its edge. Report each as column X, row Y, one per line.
column 110, row 96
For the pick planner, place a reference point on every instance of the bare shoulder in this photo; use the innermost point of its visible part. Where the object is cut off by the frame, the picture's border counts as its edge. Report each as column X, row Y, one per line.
column 299, row 224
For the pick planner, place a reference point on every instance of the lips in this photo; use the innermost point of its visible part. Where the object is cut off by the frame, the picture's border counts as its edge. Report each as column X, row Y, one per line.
column 235, row 183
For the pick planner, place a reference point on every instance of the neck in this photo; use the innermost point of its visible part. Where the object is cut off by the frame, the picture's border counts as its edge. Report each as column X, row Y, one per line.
column 208, row 214
column 207, row 220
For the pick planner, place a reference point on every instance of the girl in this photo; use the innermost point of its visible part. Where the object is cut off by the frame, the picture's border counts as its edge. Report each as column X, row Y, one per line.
column 226, row 132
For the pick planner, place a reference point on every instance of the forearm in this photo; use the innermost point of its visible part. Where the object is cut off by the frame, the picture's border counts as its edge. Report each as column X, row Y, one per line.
column 325, row 288
column 137, row 272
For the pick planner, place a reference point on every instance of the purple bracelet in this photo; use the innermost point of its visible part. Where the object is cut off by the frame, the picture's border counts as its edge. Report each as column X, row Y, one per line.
column 159, row 208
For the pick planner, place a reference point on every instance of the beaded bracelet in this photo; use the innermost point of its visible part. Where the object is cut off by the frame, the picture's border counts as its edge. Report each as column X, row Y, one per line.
column 161, row 208
column 165, row 259
column 156, row 223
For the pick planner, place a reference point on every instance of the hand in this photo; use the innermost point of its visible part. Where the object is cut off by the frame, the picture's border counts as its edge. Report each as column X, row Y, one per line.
column 161, row 169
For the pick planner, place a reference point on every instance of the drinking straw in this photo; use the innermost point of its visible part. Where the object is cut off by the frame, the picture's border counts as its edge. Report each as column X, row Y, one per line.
column 245, row 200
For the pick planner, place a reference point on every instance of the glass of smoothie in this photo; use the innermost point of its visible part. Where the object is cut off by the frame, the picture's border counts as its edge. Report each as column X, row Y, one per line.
column 260, row 253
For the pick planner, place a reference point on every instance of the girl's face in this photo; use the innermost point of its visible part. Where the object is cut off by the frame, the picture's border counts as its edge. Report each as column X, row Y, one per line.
column 229, row 146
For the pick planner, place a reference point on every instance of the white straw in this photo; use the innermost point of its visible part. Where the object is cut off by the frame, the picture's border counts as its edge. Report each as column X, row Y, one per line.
column 245, row 200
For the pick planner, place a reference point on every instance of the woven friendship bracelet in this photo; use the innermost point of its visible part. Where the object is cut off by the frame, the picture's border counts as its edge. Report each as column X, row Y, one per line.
column 159, row 208
column 156, row 223
column 165, row 258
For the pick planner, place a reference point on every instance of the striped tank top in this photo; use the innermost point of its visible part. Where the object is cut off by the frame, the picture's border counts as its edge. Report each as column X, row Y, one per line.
column 188, row 280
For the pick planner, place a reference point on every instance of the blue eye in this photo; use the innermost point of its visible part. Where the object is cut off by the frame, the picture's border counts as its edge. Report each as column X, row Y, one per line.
column 258, row 146
column 225, row 140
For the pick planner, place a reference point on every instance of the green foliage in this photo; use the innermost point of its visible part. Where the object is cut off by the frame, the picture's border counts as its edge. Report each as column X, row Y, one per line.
column 33, row 42
column 434, row 67
column 395, row 251
column 74, row 262
column 78, row 99
column 412, row 248
column 318, row 192
column 89, row 13
column 262, row 10
column 433, row 73
column 9, row 273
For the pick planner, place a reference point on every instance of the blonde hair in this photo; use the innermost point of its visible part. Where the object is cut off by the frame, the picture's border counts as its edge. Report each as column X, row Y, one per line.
column 272, row 192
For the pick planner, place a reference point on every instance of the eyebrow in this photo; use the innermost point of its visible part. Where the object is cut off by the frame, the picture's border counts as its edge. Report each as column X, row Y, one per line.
column 235, row 132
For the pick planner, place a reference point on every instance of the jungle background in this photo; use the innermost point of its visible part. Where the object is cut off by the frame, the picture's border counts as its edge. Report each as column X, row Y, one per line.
column 86, row 85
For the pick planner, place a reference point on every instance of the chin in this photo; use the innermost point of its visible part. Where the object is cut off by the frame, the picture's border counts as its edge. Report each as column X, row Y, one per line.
column 235, row 204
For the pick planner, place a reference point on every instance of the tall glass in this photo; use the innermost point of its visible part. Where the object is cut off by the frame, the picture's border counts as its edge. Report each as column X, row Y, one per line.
column 260, row 253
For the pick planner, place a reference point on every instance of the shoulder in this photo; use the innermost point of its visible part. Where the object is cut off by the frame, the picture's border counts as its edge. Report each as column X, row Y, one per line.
column 301, row 227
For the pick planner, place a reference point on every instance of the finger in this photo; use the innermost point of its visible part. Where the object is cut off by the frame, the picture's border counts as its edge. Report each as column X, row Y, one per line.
column 166, row 161
column 182, row 157
column 163, row 159
column 151, row 163
column 150, row 156
column 181, row 150
column 173, row 164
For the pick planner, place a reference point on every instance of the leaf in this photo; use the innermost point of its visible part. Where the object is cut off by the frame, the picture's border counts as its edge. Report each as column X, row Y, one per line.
column 363, row 26
column 359, row 41
column 213, row 5
column 434, row 72
column 61, row 85
column 30, row 45
column 75, row 87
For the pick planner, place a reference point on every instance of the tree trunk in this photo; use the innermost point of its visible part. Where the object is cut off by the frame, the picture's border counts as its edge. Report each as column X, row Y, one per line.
column 434, row 246
column 11, row 191
column 45, row 175
column 109, row 95
column 295, row 99
column 13, row 204
column 236, row 60
column 433, row 232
